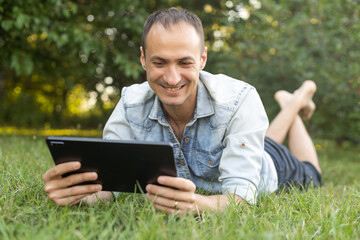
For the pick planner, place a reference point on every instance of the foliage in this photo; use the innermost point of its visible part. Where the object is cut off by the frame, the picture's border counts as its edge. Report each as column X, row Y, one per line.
column 64, row 62
column 330, row 212
column 50, row 47
column 281, row 43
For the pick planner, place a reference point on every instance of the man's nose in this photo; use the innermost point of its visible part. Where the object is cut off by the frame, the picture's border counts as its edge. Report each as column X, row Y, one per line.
column 172, row 75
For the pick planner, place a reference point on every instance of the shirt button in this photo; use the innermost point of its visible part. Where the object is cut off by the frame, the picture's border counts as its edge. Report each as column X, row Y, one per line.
column 182, row 163
column 243, row 144
column 187, row 139
column 210, row 162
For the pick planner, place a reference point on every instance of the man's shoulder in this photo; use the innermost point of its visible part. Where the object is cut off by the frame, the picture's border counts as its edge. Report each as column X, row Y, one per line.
column 223, row 88
column 137, row 93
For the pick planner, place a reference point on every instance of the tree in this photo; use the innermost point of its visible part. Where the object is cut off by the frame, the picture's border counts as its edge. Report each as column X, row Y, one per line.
column 48, row 47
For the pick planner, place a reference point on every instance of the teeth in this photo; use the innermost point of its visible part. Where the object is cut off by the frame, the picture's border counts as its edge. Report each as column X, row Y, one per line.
column 172, row 89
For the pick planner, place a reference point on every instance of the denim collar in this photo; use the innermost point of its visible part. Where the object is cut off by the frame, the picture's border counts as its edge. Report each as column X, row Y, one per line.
column 204, row 106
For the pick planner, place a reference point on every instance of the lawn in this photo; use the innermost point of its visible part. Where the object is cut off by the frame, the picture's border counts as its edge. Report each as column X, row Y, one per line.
column 329, row 212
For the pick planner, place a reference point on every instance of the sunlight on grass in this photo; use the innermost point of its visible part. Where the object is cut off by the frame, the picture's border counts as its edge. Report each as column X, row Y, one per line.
column 49, row 132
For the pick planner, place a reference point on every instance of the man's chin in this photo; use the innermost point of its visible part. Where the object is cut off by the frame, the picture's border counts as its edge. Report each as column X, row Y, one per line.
column 172, row 104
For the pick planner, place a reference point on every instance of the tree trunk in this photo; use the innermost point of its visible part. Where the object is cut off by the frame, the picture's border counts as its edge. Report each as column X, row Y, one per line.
column 3, row 79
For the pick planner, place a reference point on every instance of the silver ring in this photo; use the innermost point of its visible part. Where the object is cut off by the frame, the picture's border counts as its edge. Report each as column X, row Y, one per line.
column 176, row 204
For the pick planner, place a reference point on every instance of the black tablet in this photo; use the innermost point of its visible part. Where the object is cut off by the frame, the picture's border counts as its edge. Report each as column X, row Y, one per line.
column 122, row 166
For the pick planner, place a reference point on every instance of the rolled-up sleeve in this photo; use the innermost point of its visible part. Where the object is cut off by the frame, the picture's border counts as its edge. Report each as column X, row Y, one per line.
column 241, row 161
column 117, row 127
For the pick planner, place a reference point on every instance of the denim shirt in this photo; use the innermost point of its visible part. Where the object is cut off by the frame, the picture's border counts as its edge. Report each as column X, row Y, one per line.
column 222, row 148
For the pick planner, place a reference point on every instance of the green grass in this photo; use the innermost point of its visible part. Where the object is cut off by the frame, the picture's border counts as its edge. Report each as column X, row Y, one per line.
column 329, row 212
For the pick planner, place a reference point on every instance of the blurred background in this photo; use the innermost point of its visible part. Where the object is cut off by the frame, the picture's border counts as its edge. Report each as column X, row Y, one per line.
column 63, row 63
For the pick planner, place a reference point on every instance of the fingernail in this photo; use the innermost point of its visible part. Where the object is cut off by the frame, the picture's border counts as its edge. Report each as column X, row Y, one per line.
column 148, row 187
column 98, row 187
column 161, row 179
column 76, row 165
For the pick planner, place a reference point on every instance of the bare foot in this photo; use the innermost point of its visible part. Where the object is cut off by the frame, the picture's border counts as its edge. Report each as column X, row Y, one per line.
column 282, row 97
column 307, row 111
column 304, row 93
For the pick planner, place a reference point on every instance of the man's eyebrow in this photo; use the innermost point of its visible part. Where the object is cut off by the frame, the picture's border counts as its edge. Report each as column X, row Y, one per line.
column 157, row 58
column 187, row 58
column 165, row 60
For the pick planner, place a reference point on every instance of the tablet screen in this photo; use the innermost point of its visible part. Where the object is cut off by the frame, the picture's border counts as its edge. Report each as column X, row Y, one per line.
column 123, row 166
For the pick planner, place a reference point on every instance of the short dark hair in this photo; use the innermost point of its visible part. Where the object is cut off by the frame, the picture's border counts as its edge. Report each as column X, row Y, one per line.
column 170, row 16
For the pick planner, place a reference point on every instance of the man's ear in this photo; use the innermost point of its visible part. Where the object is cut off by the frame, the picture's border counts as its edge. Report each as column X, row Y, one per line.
column 203, row 58
column 142, row 58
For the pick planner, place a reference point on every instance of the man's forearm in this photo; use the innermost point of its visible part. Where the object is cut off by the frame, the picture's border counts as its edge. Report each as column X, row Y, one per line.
column 104, row 196
column 216, row 202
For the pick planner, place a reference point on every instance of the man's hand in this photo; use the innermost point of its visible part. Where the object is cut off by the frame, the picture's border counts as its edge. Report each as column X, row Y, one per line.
column 62, row 191
column 176, row 195
column 183, row 199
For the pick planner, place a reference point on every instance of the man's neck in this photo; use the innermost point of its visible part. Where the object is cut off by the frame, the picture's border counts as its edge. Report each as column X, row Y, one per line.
column 178, row 117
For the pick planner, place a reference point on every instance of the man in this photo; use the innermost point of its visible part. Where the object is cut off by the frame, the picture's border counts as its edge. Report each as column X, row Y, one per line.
column 217, row 125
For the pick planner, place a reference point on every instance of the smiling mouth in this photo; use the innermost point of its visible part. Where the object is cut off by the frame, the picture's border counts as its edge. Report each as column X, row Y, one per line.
column 173, row 88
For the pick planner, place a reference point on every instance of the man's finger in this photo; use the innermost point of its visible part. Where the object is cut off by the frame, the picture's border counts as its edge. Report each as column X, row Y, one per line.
column 60, row 169
column 178, row 183
column 171, row 203
column 166, row 202
column 168, row 210
column 172, row 210
column 69, row 201
column 170, row 193
column 74, row 191
column 70, row 181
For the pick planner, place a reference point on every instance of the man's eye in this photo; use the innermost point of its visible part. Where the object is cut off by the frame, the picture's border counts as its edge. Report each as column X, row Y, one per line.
column 185, row 63
column 158, row 64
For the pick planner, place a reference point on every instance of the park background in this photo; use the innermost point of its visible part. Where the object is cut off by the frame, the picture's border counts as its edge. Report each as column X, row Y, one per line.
column 63, row 63
column 62, row 67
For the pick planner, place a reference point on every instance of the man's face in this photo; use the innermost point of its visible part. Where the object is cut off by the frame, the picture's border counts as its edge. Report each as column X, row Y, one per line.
column 173, row 60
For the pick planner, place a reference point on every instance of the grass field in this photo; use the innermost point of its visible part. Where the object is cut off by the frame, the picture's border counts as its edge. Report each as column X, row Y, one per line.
column 329, row 212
